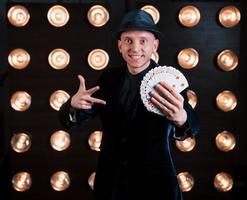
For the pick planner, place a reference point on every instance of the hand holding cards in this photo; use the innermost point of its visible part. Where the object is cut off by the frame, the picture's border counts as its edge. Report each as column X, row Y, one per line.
column 167, row 74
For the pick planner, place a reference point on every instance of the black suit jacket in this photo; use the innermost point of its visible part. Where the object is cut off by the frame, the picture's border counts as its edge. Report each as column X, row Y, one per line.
column 134, row 147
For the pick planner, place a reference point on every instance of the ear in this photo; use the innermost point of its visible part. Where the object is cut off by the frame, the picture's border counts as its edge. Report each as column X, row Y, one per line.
column 156, row 45
column 119, row 44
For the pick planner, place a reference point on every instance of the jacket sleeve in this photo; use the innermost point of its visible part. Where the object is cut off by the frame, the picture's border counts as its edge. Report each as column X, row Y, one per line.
column 70, row 117
column 191, row 126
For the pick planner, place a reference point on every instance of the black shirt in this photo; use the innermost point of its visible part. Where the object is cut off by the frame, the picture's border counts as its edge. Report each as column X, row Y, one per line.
column 130, row 92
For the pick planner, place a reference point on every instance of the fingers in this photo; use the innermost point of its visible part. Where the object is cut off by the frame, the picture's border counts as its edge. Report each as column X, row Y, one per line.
column 84, row 96
column 162, row 103
column 87, row 103
column 85, row 107
column 92, row 99
column 83, row 87
column 171, row 90
column 92, row 90
column 169, row 94
column 160, row 106
column 167, row 100
column 98, row 101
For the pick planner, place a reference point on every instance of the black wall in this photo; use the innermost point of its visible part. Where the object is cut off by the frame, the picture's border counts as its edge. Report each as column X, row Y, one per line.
column 78, row 37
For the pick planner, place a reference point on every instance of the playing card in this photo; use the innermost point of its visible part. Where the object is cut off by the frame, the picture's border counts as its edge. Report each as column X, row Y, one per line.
column 167, row 74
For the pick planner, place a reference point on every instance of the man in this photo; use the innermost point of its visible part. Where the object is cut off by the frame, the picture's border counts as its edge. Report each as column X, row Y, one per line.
column 135, row 160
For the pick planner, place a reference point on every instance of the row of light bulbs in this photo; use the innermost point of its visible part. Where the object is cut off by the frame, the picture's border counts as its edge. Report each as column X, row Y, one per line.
column 58, row 59
column 98, row 59
column 57, row 16
column 98, row 15
column 21, row 100
column 60, row 181
column 60, row 141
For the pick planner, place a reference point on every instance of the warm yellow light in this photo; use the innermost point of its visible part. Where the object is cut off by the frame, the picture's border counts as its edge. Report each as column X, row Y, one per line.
column 98, row 59
column 59, row 59
column 186, row 145
column 229, row 16
column 192, row 98
column 188, row 58
column 58, row 98
column 186, row 181
column 155, row 57
column 21, row 181
column 19, row 58
column 153, row 12
column 91, row 180
column 18, row 16
column 20, row 101
column 20, row 142
column 223, row 182
column 227, row 60
column 226, row 101
column 60, row 181
column 60, row 140
column 225, row 141
column 189, row 16
column 94, row 140
column 98, row 15
column 58, row 16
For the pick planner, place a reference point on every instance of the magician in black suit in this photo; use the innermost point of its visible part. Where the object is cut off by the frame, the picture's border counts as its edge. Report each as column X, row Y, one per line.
column 135, row 160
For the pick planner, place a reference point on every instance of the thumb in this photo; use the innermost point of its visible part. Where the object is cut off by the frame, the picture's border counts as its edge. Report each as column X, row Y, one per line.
column 82, row 82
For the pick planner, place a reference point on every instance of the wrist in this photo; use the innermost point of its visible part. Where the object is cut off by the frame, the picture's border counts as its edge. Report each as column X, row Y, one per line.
column 181, row 122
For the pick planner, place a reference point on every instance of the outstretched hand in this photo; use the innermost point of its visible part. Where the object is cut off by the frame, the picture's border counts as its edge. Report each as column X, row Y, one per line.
column 166, row 99
column 83, row 98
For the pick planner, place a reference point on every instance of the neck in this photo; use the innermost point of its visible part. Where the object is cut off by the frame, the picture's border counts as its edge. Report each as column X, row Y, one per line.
column 137, row 70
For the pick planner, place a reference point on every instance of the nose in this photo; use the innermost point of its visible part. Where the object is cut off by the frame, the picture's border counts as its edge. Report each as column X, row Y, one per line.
column 135, row 47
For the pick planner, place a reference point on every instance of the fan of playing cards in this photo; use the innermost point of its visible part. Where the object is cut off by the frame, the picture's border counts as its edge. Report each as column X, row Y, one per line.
column 167, row 74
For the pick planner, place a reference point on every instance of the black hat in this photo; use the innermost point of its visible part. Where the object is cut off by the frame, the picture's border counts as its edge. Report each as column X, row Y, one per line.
column 137, row 20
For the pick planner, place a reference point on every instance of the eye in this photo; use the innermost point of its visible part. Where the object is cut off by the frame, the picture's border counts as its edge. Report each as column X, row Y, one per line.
column 128, row 41
column 143, row 41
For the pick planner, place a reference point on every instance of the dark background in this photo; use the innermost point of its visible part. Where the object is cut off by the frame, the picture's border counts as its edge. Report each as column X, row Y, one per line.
column 78, row 38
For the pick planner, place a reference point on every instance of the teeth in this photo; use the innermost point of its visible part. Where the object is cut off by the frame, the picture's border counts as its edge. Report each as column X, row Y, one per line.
column 135, row 56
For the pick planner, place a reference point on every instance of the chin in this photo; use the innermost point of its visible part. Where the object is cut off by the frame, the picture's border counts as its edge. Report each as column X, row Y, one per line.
column 136, row 64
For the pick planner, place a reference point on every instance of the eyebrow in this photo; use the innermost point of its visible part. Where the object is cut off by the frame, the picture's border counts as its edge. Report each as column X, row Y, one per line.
column 141, row 38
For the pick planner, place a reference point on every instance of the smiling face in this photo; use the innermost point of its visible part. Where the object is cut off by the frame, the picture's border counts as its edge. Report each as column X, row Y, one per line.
column 136, row 48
